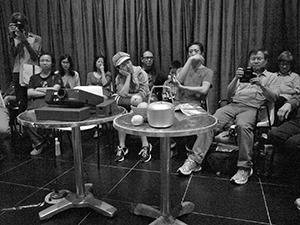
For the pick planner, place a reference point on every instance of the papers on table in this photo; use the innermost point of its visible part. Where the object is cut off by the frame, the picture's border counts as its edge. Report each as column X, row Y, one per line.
column 190, row 109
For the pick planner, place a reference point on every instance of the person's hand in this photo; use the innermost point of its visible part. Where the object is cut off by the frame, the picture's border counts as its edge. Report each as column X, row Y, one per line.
column 176, row 82
column 239, row 72
column 284, row 111
column 125, row 73
column 21, row 36
column 256, row 80
column 102, row 68
column 12, row 29
column 197, row 58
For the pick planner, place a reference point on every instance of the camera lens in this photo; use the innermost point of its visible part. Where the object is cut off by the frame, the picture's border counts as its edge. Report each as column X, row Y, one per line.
column 20, row 26
column 62, row 93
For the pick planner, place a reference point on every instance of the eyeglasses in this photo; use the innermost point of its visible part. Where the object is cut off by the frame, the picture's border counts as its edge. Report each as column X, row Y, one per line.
column 148, row 57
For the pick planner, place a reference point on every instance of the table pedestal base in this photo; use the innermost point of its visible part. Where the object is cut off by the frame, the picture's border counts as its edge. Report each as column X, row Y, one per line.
column 73, row 201
column 146, row 210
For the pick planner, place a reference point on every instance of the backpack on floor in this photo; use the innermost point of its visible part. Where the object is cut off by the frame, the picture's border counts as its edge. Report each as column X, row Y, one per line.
column 222, row 158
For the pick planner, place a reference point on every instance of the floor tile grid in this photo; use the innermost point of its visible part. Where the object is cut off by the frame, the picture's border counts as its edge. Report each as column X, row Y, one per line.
column 44, row 187
column 183, row 198
column 265, row 201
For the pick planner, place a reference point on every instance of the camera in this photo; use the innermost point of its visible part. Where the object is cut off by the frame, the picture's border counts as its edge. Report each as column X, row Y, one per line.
column 248, row 75
column 20, row 26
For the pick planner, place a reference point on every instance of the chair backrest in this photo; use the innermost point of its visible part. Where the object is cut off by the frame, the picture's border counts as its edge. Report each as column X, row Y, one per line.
column 267, row 114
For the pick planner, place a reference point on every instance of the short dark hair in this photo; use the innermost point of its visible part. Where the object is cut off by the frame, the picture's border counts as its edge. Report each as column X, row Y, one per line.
column 255, row 51
column 286, row 56
column 52, row 59
column 105, row 63
column 196, row 43
column 70, row 60
column 175, row 64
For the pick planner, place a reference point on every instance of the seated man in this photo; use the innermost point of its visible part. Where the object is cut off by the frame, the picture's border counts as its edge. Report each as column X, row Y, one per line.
column 194, row 79
column 154, row 77
column 37, row 88
column 246, row 98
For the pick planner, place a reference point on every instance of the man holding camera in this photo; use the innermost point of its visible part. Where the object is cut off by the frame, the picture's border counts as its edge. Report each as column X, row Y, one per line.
column 257, row 87
column 25, row 48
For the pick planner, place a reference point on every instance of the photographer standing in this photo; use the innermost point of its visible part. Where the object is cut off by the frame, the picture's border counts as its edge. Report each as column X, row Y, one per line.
column 257, row 87
column 25, row 48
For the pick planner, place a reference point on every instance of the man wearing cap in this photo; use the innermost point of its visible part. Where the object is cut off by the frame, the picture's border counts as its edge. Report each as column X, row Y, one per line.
column 130, row 81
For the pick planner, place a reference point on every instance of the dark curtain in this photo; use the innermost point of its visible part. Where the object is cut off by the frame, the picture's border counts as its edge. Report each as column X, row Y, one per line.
column 227, row 28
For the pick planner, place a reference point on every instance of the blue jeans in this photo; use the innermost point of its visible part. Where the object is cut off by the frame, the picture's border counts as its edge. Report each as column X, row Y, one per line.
column 241, row 115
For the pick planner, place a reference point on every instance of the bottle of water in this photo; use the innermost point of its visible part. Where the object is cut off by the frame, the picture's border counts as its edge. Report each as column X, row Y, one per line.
column 57, row 147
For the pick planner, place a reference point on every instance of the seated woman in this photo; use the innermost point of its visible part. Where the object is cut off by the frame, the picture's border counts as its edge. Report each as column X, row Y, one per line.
column 69, row 76
column 131, row 80
column 100, row 76
column 38, row 85
column 289, row 82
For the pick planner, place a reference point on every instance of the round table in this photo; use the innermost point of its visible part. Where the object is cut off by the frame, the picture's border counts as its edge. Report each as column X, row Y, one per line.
column 83, row 197
column 183, row 126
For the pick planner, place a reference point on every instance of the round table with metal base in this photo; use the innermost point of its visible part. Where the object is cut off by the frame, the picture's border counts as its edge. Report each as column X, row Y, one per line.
column 83, row 197
column 183, row 126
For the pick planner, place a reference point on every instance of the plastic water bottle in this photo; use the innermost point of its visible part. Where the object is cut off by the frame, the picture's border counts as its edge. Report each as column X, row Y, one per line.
column 57, row 147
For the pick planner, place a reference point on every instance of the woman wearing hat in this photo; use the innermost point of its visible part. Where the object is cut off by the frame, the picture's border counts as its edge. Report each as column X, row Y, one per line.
column 131, row 80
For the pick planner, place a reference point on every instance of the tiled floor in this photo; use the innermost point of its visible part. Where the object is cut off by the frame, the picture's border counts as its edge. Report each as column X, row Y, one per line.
column 26, row 180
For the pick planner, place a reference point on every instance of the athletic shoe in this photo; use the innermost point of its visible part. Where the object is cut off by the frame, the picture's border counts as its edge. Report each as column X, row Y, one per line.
column 242, row 175
column 297, row 202
column 189, row 166
column 35, row 152
column 120, row 153
column 145, row 153
column 38, row 149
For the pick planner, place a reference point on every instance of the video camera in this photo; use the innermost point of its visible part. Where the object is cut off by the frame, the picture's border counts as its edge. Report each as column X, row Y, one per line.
column 73, row 98
column 248, row 75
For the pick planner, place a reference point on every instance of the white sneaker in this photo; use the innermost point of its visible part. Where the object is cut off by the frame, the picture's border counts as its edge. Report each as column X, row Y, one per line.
column 242, row 175
column 297, row 202
column 36, row 151
column 189, row 166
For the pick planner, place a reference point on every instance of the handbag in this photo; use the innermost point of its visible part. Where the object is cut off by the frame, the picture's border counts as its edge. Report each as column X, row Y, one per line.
column 26, row 71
